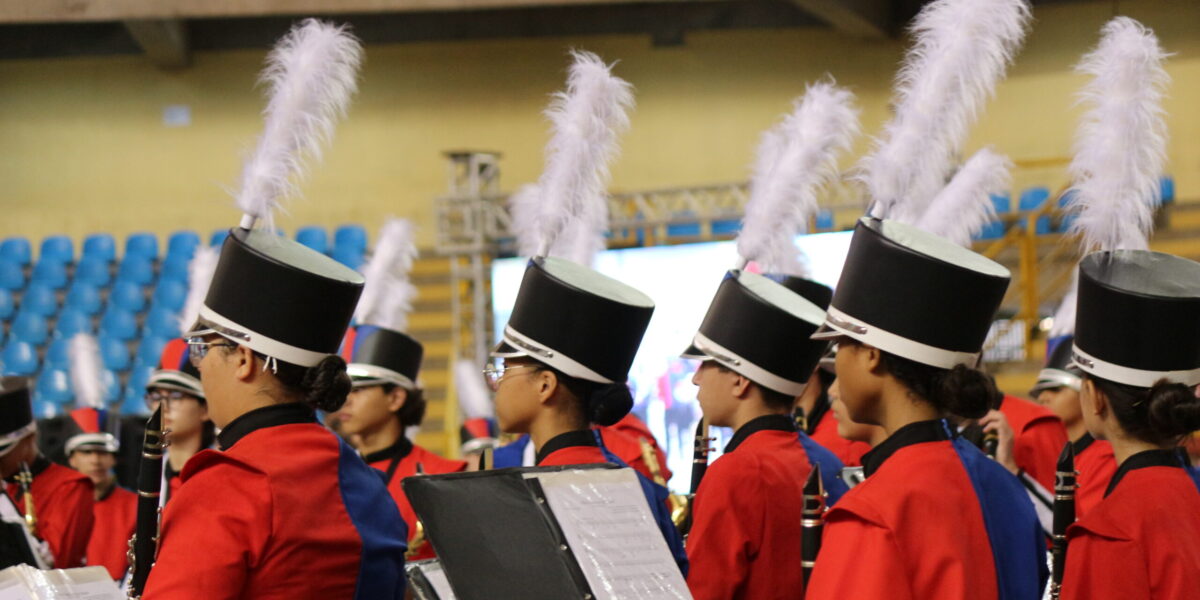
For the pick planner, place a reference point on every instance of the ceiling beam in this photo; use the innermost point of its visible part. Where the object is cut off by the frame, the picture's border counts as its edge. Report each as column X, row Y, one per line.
column 165, row 41
column 859, row 18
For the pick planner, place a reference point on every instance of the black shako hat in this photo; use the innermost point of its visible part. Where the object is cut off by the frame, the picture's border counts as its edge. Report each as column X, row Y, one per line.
column 1060, row 369
column 817, row 293
column 915, row 295
column 576, row 320
column 1137, row 318
column 16, row 412
column 760, row 329
column 377, row 356
column 176, row 372
column 279, row 298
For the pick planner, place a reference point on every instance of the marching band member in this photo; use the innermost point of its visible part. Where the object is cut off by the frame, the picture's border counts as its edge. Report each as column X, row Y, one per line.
column 115, row 508
column 175, row 386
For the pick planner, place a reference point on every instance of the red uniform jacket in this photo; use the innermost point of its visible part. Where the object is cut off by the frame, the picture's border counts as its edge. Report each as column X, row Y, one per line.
column 62, row 502
column 624, row 440
column 825, row 433
column 745, row 537
column 116, row 517
column 406, row 456
column 1038, row 438
column 1142, row 542
column 1096, row 466
column 913, row 530
column 286, row 511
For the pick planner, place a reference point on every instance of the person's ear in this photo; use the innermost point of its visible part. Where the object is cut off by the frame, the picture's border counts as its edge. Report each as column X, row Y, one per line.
column 872, row 358
column 396, row 398
column 1098, row 404
column 243, row 362
column 740, row 387
column 546, row 384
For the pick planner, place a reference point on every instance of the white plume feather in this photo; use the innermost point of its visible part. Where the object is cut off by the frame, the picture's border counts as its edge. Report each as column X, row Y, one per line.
column 962, row 49
column 87, row 371
column 200, row 274
column 964, row 206
column 586, row 120
column 473, row 396
column 794, row 160
column 1120, row 146
column 388, row 295
column 310, row 75
column 1064, row 317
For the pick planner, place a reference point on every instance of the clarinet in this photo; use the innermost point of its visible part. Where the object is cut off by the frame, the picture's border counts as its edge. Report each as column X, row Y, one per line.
column 811, row 522
column 699, row 466
column 143, row 546
column 1064, row 515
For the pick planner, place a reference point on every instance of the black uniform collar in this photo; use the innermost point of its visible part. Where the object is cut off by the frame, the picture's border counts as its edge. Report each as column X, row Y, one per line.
column 397, row 451
column 583, row 437
column 913, row 433
column 1148, row 458
column 757, row 424
column 39, row 464
column 288, row 413
column 1081, row 444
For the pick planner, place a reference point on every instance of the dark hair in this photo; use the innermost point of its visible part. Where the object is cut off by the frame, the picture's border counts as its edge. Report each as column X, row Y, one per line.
column 413, row 411
column 322, row 387
column 603, row 403
column 208, row 434
column 772, row 398
column 961, row 391
column 1161, row 414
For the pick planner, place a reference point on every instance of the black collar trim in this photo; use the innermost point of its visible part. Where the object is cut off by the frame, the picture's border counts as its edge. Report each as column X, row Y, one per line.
column 757, row 424
column 39, row 465
column 398, row 451
column 1141, row 460
column 920, row 432
column 289, row 413
column 583, row 437
column 111, row 488
column 1081, row 444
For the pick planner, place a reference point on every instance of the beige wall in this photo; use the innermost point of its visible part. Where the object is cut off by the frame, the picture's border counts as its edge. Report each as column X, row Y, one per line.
column 83, row 147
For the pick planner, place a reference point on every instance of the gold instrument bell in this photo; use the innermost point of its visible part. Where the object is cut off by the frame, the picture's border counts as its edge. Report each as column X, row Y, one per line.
column 680, row 504
column 25, row 478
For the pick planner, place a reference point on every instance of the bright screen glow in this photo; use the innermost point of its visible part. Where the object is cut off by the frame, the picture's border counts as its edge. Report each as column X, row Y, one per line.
column 681, row 280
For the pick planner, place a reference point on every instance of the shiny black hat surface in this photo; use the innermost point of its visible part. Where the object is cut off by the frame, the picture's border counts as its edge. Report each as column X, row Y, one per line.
column 376, row 355
column 760, row 329
column 1060, row 369
column 813, row 291
column 915, row 295
column 279, row 298
column 1138, row 317
column 16, row 412
column 574, row 319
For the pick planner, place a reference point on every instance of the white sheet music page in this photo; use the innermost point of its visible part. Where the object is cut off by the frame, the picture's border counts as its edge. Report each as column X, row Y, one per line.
column 436, row 577
column 608, row 526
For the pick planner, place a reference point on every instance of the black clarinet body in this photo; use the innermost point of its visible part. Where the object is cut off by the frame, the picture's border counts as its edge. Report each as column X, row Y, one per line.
column 1064, row 516
column 811, row 522
column 143, row 547
column 699, row 465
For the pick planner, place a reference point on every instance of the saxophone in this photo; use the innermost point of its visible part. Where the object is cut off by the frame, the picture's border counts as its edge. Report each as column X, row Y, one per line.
column 25, row 478
column 679, row 503
column 418, row 539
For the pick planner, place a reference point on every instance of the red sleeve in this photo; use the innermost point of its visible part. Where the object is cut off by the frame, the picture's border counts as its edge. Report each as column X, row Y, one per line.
column 859, row 560
column 720, row 544
column 65, row 519
column 1100, row 568
column 1037, row 448
column 214, row 532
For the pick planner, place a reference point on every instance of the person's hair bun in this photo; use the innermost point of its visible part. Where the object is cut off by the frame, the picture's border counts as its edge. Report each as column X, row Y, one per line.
column 326, row 385
column 1173, row 409
column 965, row 392
column 609, row 404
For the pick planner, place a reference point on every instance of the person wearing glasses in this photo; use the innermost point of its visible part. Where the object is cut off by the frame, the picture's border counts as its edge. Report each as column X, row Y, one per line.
column 384, row 402
column 175, row 386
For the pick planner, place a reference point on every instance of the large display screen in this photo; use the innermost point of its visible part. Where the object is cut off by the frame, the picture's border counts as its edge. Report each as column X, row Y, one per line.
column 681, row 280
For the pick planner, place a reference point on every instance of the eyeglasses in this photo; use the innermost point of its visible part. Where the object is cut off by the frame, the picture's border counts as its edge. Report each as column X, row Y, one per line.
column 156, row 396
column 198, row 349
column 494, row 374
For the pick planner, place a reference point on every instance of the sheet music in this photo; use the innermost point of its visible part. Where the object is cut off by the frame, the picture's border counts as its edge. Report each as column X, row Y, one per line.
column 23, row 582
column 607, row 523
column 437, row 580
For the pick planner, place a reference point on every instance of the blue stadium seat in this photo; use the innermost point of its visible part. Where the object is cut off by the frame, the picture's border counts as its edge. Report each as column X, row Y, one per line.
column 133, row 400
column 128, row 296
column 118, row 324
column 313, row 237
column 83, row 297
column 54, row 386
column 12, row 275
column 995, row 229
column 351, row 236
column 1166, row 189
column 824, row 220
column 1064, row 202
column 726, row 227
column 1032, row 199
column 218, row 237
column 39, row 299
column 162, row 322
column 150, row 349
column 7, row 306
column 57, row 247
column 348, row 256
column 93, row 270
column 58, row 354
column 183, row 243
column 42, row 408
column 99, row 246
column 137, row 269
column 170, row 294
column 174, row 268
column 139, row 376
column 29, row 327
column 20, row 358
column 114, row 353
column 18, row 249
column 142, row 244
column 50, row 272
column 70, row 322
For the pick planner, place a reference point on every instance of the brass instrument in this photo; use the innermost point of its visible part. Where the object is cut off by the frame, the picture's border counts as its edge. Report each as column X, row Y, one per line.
column 679, row 503
column 25, row 478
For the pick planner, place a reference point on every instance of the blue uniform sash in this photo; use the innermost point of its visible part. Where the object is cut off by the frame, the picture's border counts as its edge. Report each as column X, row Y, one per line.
column 831, row 468
column 377, row 519
column 512, row 454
